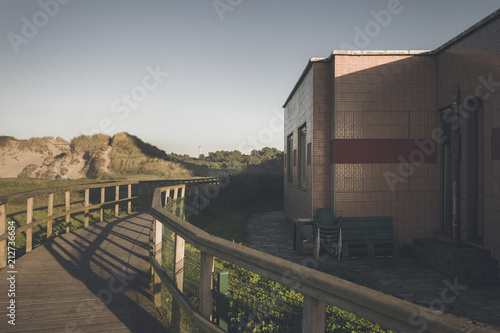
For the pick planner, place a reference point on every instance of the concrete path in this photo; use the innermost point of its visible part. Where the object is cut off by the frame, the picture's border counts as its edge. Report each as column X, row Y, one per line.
column 404, row 277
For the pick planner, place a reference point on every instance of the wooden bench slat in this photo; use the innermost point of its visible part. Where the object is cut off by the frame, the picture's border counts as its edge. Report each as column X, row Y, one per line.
column 368, row 237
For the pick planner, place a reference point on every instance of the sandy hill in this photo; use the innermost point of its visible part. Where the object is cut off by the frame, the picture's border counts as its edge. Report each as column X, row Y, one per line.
column 98, row 156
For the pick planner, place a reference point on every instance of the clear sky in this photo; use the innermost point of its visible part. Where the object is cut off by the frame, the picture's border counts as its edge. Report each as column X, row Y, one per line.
column 186, row 73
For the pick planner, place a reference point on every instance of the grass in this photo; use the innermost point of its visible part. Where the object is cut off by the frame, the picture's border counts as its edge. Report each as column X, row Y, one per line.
column 16, row 185
column 131, row 157
column 93, row 144
column 35, row 144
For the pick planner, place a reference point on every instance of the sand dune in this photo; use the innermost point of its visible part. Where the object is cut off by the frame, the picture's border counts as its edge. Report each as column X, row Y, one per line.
column 47, row 158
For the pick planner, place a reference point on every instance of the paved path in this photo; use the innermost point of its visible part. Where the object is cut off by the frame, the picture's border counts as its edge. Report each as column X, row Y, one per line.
column 92, row 280
column 405, row 277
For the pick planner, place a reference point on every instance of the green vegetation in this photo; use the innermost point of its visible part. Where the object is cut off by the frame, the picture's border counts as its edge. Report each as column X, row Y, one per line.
column 38, row 145
column 93, row 145
column 17, row 185
column 28, row 171
column 258, row 304
column 227, row 224
column 131, row 158
column 241, row 196
column 264, row 160
column 6, row 140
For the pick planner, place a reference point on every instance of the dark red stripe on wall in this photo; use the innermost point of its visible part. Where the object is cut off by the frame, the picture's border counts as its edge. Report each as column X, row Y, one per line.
column 357, row 151
column 495, row 144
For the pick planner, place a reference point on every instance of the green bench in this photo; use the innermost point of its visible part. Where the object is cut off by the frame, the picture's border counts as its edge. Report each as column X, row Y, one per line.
column 368, row 237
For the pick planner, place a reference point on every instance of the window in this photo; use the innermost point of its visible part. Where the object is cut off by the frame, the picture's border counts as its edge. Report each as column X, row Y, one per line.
column 289, row 162
column 302, row 156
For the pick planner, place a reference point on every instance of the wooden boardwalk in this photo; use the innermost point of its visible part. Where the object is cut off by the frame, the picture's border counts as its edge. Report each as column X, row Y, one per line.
column 92, row 280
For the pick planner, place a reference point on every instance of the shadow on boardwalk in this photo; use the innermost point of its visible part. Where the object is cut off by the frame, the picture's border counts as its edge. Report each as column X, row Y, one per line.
column 405, row 277
column 92, row 280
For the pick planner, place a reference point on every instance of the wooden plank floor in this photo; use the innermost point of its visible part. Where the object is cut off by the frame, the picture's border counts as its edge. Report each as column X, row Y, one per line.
column 92, row 280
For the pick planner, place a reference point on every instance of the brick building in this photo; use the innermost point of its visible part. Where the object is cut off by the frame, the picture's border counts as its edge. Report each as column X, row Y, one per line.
column 407, row 134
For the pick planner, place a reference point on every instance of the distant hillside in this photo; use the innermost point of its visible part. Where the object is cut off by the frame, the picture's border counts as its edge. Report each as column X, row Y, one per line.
column 98, row 156
column 129, row 155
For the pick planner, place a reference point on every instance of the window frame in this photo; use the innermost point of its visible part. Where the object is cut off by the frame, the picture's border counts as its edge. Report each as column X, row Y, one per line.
column 290, row 162
column 302, row 158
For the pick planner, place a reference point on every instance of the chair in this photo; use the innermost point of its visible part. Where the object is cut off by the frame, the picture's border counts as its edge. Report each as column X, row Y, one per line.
column 327, row 228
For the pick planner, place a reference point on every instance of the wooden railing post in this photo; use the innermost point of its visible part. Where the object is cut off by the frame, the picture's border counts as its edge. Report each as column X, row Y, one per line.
column 183, row 202
column 313, row 320
column 157, row 250
column 103, row 198
column 29, row 219
column 50, row 212
column 67, row 201
column 141, row 200
column 87, row 203
column 178, row 279
column 167, row 195
column 3, row 229
column 206, row 285
column 129, row 203
column 174, row 204
column 117, row 197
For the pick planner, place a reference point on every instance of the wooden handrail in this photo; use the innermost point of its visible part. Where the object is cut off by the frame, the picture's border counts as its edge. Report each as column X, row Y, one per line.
column 73, row 188
column 318, row 288
column 68, row 210
column 71, row 211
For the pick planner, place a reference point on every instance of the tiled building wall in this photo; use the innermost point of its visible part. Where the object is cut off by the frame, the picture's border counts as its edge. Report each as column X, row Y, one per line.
column 473, row 62
column 321, row 144
column 387, row 97
column 299, row 111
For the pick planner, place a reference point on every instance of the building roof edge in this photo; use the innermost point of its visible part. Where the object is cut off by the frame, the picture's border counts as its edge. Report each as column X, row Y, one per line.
column 350, row 52
column 380, row 52
column 487, row 19
column 299, row 81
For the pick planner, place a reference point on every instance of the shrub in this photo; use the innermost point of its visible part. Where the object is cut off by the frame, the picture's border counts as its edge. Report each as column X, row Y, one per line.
column 39, row 145
column 93, row 144
column 28, row 171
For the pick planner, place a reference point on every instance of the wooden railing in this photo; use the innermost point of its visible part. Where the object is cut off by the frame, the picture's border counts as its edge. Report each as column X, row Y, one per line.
column 318, row 289
column 144, row 190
